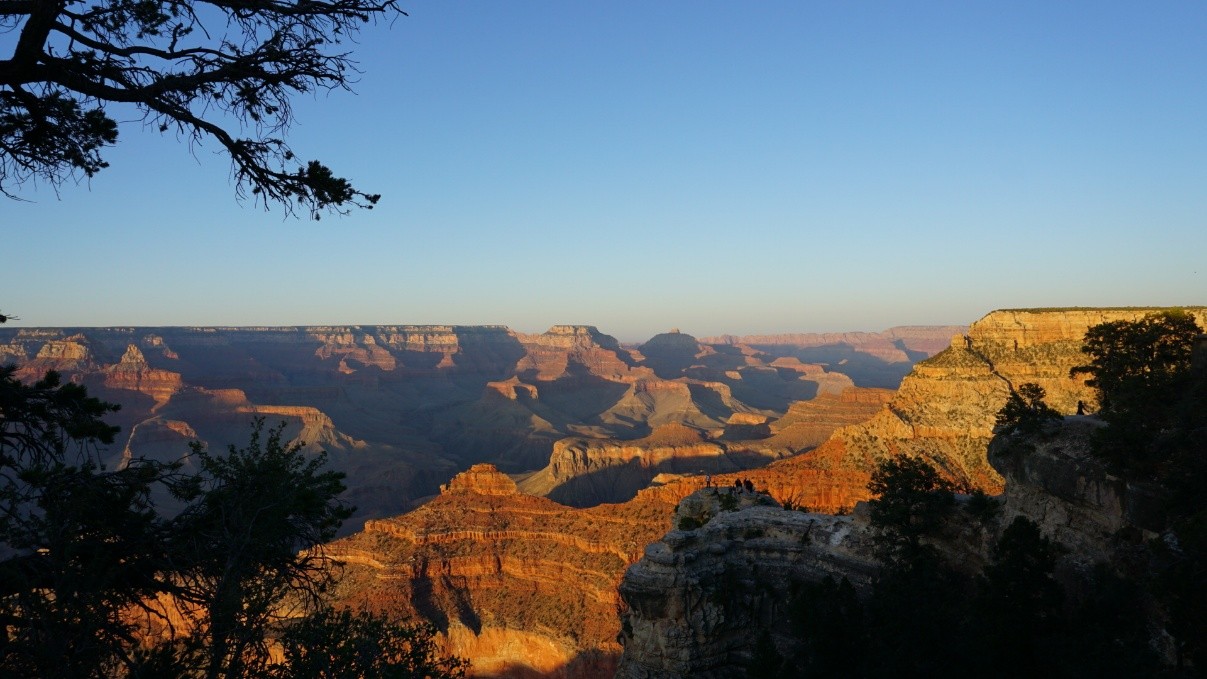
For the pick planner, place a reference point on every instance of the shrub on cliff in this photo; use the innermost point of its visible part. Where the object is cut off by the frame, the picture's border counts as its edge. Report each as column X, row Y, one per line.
column 910, row 500
column 1025, row 411
column 331, row 644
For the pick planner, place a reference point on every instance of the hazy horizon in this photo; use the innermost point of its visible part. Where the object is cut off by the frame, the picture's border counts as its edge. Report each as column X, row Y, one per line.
column 20, row 325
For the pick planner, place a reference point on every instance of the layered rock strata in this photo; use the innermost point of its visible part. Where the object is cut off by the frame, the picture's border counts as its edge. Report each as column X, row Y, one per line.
column 400, row 408
column 946, row 407
column 519, row 584
column 700, row 598
column 587, row 471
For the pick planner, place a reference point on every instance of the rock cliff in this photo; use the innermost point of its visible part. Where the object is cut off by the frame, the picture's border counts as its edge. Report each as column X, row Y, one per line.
column 944, row 410
column 520, row 584
column 1058, row 484
column 702, row 598
column 587, row 471
column 133, row 373
column 699, row 599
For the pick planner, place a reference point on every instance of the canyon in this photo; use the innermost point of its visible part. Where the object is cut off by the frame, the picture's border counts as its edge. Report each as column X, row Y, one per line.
column 539, row 469
column 401, row 409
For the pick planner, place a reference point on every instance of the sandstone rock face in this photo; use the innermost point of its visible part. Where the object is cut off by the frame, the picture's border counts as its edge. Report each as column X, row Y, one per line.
column 808, row 424
column 64, row 354
column 133, row 373
column 945, row 409
column 520, row 584
column 587, row 471
column 698, row 600
column 1058, row 484
column 583, row 472
column 568, row 350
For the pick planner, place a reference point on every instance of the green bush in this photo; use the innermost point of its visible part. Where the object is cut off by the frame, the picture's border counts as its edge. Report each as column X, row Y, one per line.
column 689, row 523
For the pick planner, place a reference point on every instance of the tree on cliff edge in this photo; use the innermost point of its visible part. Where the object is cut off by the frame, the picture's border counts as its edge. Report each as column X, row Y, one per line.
column 1142, row 371
column 207, row 69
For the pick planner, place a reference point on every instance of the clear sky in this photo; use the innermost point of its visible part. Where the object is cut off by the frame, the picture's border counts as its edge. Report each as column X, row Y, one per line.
column 716, row 167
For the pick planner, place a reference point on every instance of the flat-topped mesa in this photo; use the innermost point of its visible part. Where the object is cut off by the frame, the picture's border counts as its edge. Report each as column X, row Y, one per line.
column 483, row 479
column 1042, row 345
column 577, row 336
column 570, row 350
column 71, row 354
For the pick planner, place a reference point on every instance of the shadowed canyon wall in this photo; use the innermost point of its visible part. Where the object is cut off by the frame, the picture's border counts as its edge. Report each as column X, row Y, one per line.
column 403, row 408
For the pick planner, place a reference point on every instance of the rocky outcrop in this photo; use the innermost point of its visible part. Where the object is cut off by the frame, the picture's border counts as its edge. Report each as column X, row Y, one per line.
column 354, row 351
column 585, row 472
column 520, row 584
column 133, row 373
column 946, row 407
column 701, row 600
column 573, row 350
column 697, row 602
column 1055, row 481
column 808, row 424
column 65, row 355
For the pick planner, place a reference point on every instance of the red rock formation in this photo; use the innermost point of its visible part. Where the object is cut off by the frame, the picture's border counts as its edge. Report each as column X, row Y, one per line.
column 354, row 350
column 561, row 349
column 67, row 355
column 584, row 472
column 808, row 424
column 513, row 389
column 402, row 407
column 945, row 409
column 519, row 584
column 133, row 373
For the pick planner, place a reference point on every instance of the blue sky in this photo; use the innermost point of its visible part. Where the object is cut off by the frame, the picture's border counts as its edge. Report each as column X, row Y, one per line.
column 716, row 167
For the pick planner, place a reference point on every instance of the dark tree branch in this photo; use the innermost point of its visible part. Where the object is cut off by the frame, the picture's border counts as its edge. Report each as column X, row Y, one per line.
column 73, row 61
